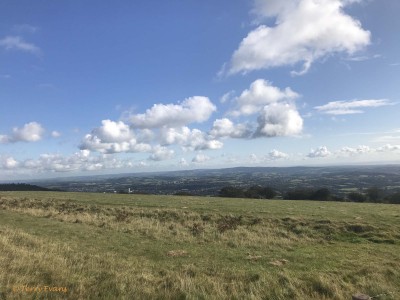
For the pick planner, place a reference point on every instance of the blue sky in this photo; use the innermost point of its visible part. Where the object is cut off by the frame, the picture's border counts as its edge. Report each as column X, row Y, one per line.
column 89, row 87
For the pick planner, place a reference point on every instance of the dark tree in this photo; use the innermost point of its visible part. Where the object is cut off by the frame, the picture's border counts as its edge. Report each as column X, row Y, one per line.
column 321, row 195
column 374, row 194
column 393, row 199
column 258, row 192
column 22, row 187
column 299, row 194
column 231, row 192
column 356, row 197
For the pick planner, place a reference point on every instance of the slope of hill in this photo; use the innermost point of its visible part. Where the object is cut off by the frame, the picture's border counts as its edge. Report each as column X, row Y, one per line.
column 102, row 246
column 22, row 187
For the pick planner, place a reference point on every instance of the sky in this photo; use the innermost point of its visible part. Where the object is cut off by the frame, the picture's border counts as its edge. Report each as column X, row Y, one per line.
column 94, row 87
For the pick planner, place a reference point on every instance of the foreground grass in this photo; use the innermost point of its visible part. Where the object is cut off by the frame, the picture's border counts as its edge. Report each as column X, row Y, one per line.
column 159, row 247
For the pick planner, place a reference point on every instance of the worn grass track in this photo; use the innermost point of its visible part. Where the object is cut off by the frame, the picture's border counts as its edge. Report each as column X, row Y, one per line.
column 100, row 246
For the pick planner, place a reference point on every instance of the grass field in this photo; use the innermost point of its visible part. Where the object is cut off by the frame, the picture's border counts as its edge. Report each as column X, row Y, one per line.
column 102, row 246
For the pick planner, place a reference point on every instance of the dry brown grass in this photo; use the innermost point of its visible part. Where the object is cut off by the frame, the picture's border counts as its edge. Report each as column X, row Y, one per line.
column 157, row 250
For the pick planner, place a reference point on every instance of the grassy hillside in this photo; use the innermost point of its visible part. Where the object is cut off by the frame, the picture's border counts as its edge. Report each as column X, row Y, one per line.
column 102, row 246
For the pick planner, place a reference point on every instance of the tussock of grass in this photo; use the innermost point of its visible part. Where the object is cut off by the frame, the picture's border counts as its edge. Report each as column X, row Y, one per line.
column 137, row 247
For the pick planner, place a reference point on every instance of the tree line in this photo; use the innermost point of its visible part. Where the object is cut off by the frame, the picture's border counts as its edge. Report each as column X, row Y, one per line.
column 372, row 195
column 21, row 187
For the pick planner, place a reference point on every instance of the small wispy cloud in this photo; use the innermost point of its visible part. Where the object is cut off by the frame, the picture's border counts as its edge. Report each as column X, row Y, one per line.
column 25, row 28
column 351, row 107
column 363, row 57
column 19, row 44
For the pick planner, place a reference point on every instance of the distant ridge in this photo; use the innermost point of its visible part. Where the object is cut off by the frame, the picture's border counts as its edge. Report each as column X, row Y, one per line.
column 22, row 187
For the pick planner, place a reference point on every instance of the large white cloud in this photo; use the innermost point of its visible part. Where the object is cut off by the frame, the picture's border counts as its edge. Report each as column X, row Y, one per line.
column 261, row 93
column 277, row 113
column 113, row 137
column 351, row 107
column 195, row 109
column 279, row 119
column 30, row 132
column 111, row 132
column 189, row 139
column 304, row 31
column 161, row 153
column 226, row 128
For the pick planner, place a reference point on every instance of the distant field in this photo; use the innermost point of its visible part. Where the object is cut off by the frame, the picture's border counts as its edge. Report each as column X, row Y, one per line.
column 103, row 246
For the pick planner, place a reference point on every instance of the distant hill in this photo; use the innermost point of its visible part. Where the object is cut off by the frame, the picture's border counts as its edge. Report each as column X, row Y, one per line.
column 22, row 187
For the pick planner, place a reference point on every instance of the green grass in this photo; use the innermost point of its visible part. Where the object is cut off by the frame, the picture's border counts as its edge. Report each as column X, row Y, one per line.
column 102, row 246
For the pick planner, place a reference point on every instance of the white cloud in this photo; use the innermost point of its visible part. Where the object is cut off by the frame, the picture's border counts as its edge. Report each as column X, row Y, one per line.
column 183, row 162
column 304, row 31
column 389, row 148
column 161, row 153
column 18, row 43
column 351, row 107
column 195, row 109
column 25, row 28
column 261, row 93
column 279, row 120
column 226, row 128
column 79, row 161
column 8, row 163
column 4, row 139
column 30, row 132
column 275, row 154
column 227, row 96
column 200, row 158
column 349, row 151
column 111, row 132
column 189, row 139
column 55, row 134
column 319, row 152
column 113, row 137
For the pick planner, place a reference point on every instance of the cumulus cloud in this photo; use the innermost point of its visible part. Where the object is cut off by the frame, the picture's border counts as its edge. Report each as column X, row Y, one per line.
column 319, row 152
column 388, row 148
column 78, row 161
column 200, row 158
column 279, row 119
column 195, row 109
column 189, row 139
column 113, row 137
column 18, row 43
column 8, row 163
column 349, row 151
column 351, row 107
column 261, row 93
column 30, row 132
column 275, row 154
column 161, row 153
column 277, row 113
column 226, row 128
column 304, row 31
